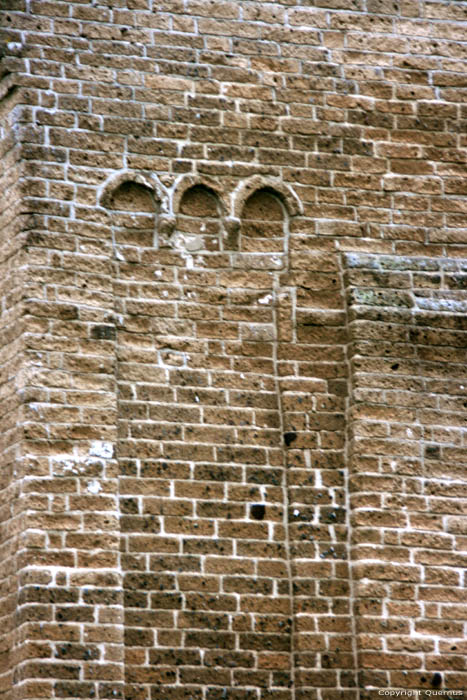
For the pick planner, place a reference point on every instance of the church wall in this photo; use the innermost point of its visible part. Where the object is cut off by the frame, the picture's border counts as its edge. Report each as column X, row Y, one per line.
column 234, row 233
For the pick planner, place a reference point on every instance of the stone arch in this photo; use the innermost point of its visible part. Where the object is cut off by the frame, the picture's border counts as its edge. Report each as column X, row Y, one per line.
column 263, row 205
column 189, row 182
column 199, row 219
column 264, row 224
column 133, row 201
column 199, row 201
column 132, row 196
column 282, row 191
column 147, row 182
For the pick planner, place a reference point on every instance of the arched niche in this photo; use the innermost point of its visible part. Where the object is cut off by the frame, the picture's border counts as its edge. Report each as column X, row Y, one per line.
column 199, row 220
column 284, row 192
column 133, row 212
column 133, row 201
column 132, row 196
column 199, row 201
column 263, row 222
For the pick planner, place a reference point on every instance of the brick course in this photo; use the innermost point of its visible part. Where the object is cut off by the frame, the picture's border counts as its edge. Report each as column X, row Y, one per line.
column 232, row 349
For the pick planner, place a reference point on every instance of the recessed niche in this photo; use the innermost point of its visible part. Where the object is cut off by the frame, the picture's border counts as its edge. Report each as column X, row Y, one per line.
column 262, row 223
column 199, row 201
column 132, row 208
column 132, row 196
column 263, row 205
column 199, row 216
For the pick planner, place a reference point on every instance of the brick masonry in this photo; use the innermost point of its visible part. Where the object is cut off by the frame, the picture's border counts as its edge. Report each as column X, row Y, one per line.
column 232, row 349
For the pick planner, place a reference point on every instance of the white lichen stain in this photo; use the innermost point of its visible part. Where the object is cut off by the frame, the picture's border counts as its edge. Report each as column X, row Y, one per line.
column 94, row 486
column 64, row 464
column 187, row 244
column 99, row 448
column 193, row 243
column 172, row 358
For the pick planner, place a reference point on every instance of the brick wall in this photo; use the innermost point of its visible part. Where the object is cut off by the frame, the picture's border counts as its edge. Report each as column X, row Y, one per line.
column 12, row 222
column 233, row 349
column 407, row 467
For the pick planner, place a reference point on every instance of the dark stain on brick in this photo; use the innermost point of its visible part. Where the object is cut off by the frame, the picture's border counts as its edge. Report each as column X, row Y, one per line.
column 103, row 332
column 289, row 438
column 258, row 511
column 436, row 680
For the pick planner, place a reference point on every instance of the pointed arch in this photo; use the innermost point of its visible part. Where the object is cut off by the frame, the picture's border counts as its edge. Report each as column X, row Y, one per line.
column 209, row 184
column 133, row 201
column 199, row 217
column 283, row 192
column 200, row 201
column 264, row 205
column 127, row 182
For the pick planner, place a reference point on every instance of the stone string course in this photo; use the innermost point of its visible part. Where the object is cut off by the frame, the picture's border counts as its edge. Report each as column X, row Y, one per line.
column 232, row 349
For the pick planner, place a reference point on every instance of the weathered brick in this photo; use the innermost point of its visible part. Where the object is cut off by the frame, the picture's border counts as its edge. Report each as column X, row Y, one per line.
column 262, row 313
